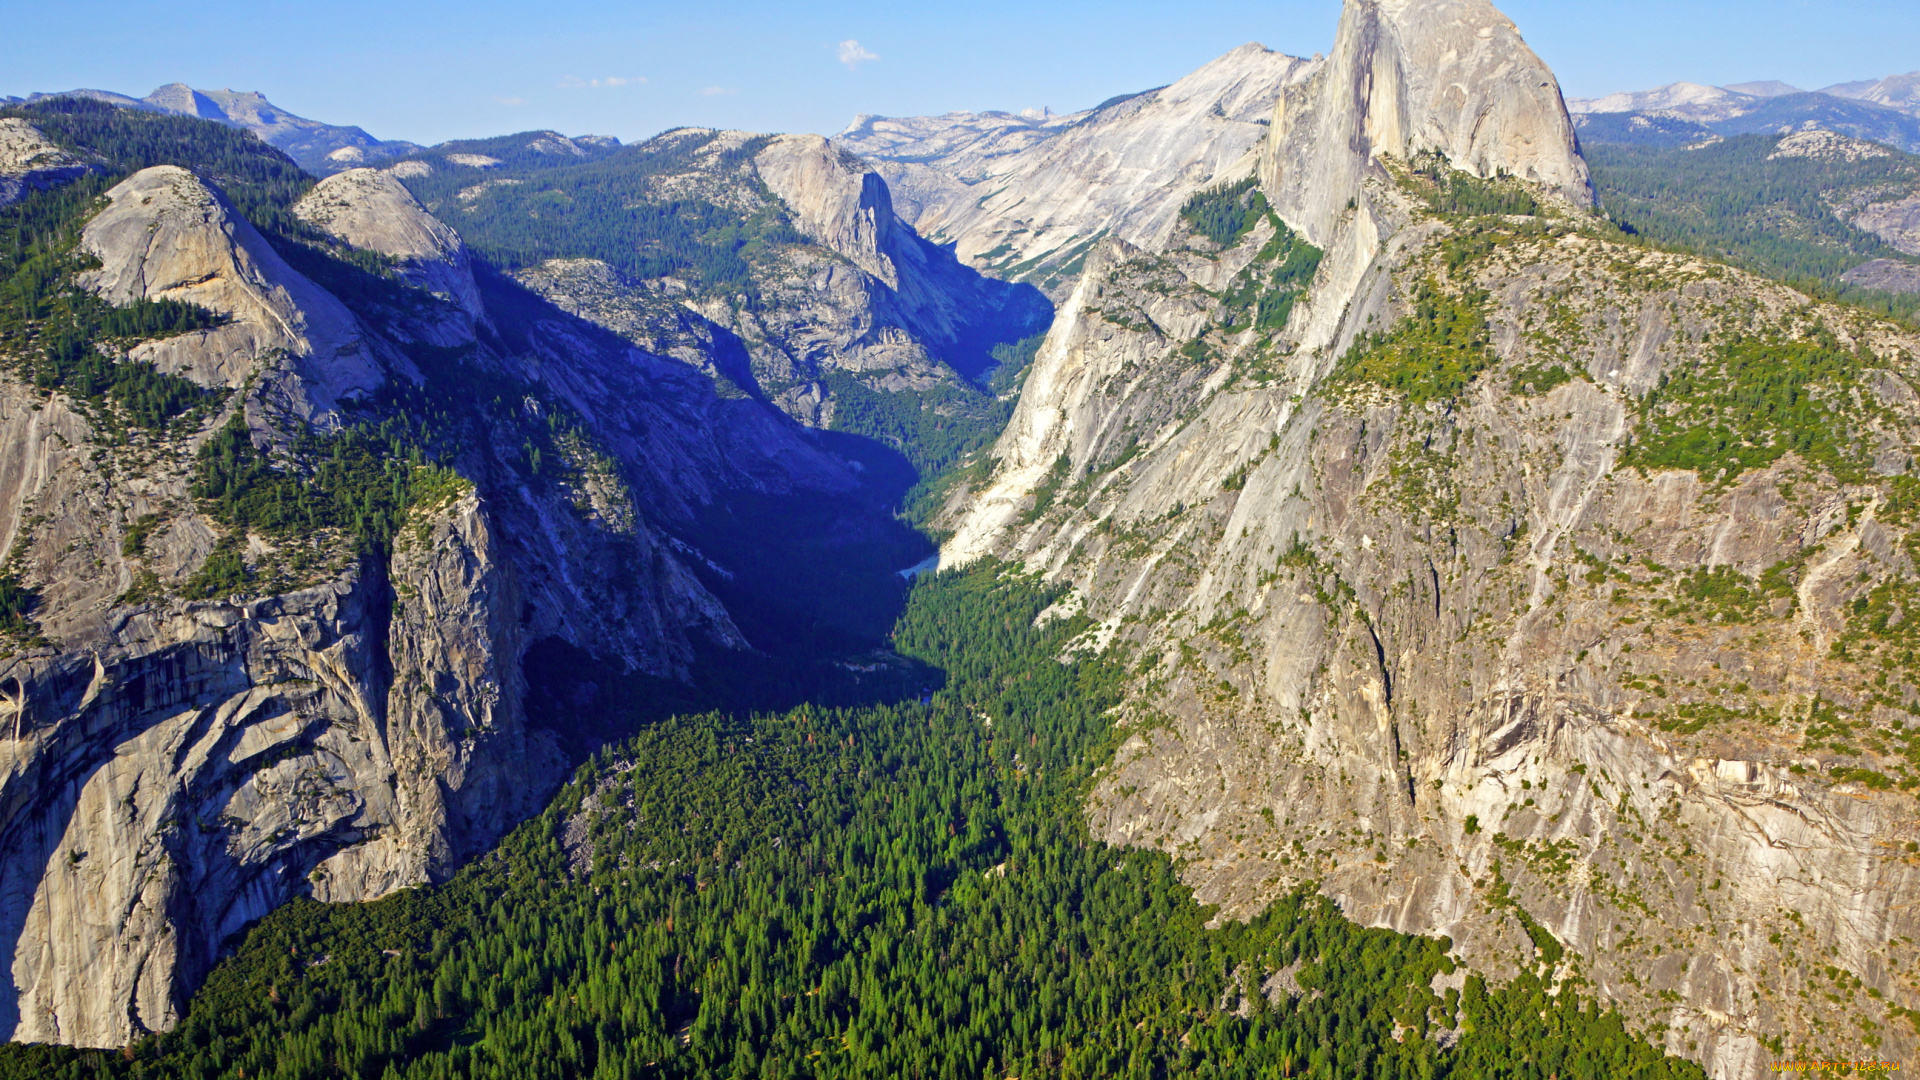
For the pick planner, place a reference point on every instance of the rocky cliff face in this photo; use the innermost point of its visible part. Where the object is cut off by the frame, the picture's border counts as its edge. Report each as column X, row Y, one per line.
column 28, row 162
column 1027, row 200
column 206, row 718
column 1472, row 627
column 840, row 286
column 371, row 210
column 1408, row 77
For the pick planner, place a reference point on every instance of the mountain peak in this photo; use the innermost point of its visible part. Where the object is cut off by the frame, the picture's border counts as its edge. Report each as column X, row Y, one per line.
column 1765, row 88
column 1407, row 76
column 318, row 147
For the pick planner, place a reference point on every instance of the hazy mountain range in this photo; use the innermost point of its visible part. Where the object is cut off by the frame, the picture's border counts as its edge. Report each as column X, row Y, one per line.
column 320, row 148
column 1884, row 110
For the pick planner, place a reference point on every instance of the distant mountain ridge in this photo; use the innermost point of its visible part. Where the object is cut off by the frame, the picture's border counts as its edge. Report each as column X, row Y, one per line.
column 1026, row 196
column 1701, row 102
column 1883, row 110
column 318, row 147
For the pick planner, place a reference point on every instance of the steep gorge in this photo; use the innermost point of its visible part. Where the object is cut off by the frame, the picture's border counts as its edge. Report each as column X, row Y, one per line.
column 1491, row 574
column 277, row 643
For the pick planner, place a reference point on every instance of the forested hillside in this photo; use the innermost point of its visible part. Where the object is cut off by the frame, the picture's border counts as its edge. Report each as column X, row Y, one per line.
column 1741, row 201
column 525, row 205
column 897, row 890
column 844, row 830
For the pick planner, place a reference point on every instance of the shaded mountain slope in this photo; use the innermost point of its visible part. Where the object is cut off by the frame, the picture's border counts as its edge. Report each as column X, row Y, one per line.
column 282, row 525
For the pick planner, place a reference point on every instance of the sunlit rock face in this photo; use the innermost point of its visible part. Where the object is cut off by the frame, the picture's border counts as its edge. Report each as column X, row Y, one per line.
column 1456, row 659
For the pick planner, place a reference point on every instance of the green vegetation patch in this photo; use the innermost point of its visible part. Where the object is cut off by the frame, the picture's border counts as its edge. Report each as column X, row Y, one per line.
column 1048, row 489
column 1264, row 295
column 1540, row 379
column 16, row 603
column 1226, row 213
column 1735, row 201
column 1723, row 594
column 1432, row 355
column 1011, row 359
column 939, row 432
column 1694, row 717
column 891, row 891
column 361, row 481
column 665, row 207
column 1451, row 191
column 1746, row 407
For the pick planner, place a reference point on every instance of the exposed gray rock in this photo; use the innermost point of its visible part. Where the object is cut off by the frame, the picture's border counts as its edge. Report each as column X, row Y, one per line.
column 1027, row 197
column 28, row 162
column 173, row 769
column 1896, row 222
column 863, row 294
column 1887, row 275
column 1819, row 145
column 167, row 235
column 373, row 211
column 836, row 199
column 1415, row 653
column 1413, row 76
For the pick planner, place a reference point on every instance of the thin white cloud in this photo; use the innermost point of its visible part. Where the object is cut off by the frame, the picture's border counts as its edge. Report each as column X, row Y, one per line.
column 511, row 100
column 575, row 82
column 717, row 91
column 853, row 54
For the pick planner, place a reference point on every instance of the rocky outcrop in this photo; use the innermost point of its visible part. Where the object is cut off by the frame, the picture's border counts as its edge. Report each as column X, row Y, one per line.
column 1887, row 275
column 1455, row 659
column 353, row 719
column 163, row 792
column 166, row 235
column 848, row 288
column 371, row 210
column 464, row 765
column 28, row 162
column 1897, row 223
column 836, row 199
column 1027, row 200
column 1827, row 146
column 1408, row 77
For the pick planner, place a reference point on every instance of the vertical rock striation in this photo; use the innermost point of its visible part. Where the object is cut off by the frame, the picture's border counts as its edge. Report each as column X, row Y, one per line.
column 352, row 721
column 1440, row 650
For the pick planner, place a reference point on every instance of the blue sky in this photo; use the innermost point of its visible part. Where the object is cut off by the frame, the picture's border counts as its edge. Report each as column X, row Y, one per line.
column 429, row 70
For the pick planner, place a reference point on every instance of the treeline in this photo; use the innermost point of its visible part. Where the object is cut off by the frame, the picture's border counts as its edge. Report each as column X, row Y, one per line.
column 892, row 891
column 362, row 481
column 1456, row 192
column 58, row 336
column 260, row 181
column 625, row 209
column 1774, row 216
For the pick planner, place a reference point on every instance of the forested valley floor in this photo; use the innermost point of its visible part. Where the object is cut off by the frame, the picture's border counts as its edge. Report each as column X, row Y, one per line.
column 897, row 890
